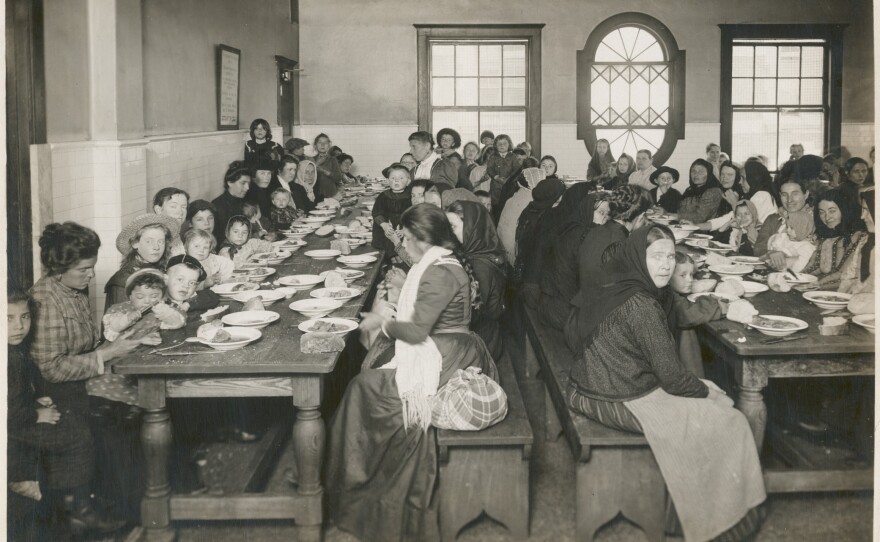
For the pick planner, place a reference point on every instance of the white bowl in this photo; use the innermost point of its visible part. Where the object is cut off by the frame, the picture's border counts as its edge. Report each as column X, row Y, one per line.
column 735, row 269
column 680, row 233
column 323, row 212
column 356, row 261
column 726, row 297
column 274, row 257
column 828, row 300
column 350, row 275
column 254, row 319
column 323, row 254
column 269, row 296
column 316, row 219
column 289, row 245
column 256, row 272
column 316, row 308
column 777, row 332
column 865, row 320
column 241, row 336
column 343, row 325
column 300, row 282
column 341, row 294
column 227, row 289
column 753, row 288
column 298, row 235
column 701, row 236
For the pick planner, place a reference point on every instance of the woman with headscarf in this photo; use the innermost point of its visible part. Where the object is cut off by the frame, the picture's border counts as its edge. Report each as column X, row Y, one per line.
column 580, row 211
column 757, row 184
column 628, row 376
column 840, row 231
column 471, row 153
column 702, row 198
column 600, row 160
column 544, row 197
column 448, row 197
column 857, row 276
column 513, row 207
column 306, row 195
column 236, row 183
column 621, row 172
column 472, row 224
column 263, row 184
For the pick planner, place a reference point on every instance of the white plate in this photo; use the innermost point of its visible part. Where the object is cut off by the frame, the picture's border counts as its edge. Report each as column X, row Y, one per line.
column 259, row 272
column 774, row 332
column 323, row 254
column 727, row 297
column 300, row 282
column 698, row 258
column 356, row 261
column 802, row 278
column 315, row 219
column 241, row 336
column 746, row 260
column 289, row 245
column 341, row 294
column 686, row 227
column 277, row 256
column 839, row 300
column 226, row 289
column 361, row 234
column 700, row 236
column 269, row 296
column 348, row 274
column 347, row 325
column 316, row 308
column 323, row 212
column 864, row 320
column 254, row 319
column 295, row 235
column 731, row 269
column 753, row 288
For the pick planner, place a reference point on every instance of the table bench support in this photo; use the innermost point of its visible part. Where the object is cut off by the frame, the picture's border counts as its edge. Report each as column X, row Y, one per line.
column 750, row 401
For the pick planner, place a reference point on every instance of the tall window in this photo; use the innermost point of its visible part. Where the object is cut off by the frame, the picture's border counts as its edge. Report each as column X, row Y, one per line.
column 630, row 86
column 777, row 90
column 473, row 79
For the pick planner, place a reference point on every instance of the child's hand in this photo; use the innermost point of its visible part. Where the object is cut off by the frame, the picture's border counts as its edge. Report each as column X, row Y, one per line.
column 48, row 415
column 153, row 339
column 45, row 401
column 395, row 277
column 29, row 489
column 164, row 312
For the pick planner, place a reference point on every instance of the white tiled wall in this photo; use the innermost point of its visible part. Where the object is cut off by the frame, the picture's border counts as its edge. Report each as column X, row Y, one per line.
column 373, row 147
column 858, row 138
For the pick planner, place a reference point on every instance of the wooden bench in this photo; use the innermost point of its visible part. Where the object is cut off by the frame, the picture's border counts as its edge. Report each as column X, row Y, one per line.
column 488, row 471
column 616, row 470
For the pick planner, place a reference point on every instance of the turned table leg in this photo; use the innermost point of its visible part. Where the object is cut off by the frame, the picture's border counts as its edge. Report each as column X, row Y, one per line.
column 309, row 440
column 156, row 443
column 750, row 401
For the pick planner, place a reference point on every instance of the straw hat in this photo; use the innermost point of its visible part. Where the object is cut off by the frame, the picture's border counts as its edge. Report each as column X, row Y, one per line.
column 123, row 240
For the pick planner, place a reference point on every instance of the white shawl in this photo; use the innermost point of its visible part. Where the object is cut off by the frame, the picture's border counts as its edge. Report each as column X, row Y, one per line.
column 423, row 171
column 418, row 365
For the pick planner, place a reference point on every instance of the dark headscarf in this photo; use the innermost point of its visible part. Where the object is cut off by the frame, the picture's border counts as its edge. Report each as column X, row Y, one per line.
column 850, row 218
column 570, row 210
column 759, row 180
column 807, row 167
column 632, row 277
column 546, row 193
column 694, row 191
column 868, row 249
column 481, row 240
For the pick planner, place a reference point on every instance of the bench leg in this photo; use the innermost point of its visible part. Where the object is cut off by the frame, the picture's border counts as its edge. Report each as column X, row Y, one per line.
column 552, row 425
column 531, row 366
column 490, row 480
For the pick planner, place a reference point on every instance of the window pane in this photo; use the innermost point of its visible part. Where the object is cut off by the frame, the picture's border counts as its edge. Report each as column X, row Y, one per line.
column 515, row 60
column 443, row 60
column 812, row 62
column 490, row 91
column 741, row 92
column 743, row 61
column 514, row 91
column 659, row 98
column 646, row 48
column 811, row 91
column 442, row 91
column 619, row 99
column 464, row 122
column 754, row 132
column 787, row 91
column 466, row 91
column 630, row 141
column 765, row 91
column 512, row 123
column 789, row 61
column 804, row 127
column 466, row 60
column 765, row 61
column 639, row 98
column 490, row 60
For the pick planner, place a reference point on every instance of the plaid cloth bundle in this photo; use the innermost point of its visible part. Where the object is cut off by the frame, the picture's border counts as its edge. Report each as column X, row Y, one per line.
column 470, row 401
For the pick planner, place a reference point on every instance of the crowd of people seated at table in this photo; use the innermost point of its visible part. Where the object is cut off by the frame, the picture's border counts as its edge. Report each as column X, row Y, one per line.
column 472, row 233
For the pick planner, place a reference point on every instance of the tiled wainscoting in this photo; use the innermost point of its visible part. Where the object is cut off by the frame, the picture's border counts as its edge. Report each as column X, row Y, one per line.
column 858, row 138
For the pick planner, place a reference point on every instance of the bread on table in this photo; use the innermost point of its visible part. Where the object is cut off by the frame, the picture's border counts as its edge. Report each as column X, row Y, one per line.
column 320, row 343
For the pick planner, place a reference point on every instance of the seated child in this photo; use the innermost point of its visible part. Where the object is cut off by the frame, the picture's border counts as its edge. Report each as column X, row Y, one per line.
column 239, row 246
column 182, row 274
column 797, row 253
column 485, row 199
column 283, row 211
column 345, row 163
column 389, row 207
column 200, row 245
column 690, row 315
column 417, row 190
column 255, row 219
column 744, row 227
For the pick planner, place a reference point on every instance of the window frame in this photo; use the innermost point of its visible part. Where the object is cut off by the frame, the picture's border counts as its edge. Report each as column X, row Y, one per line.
column 832, row 87
column 676, row 59
column 531, row 33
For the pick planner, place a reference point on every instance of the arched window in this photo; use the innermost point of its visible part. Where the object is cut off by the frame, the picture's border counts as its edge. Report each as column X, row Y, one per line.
column 631, row 87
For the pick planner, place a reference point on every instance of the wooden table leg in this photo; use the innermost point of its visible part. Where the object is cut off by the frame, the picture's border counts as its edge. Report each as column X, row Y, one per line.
column 156, row 442
column 750, row 401
column 309, row 439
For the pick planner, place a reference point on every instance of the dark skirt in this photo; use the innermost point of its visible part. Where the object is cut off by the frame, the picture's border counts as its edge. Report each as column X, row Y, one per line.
column 381, row 478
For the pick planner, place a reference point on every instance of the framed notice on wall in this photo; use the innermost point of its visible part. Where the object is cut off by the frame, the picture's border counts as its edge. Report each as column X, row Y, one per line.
column 228, row 84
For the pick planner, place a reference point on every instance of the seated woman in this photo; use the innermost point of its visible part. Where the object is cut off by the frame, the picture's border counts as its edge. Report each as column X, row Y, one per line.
column 285, row 175
column 472, row 225
column 600, row 162
column 382, row 454
column 619, row 175
column 305, row 192
column 263, row 183
column 628, row 376
column 757, row 184
column 448, row 142
column 550, row 167
column 700, row 201
column 544, row 197
column 345, row 163
column 236, row 183
column 856, row 182
column 840, row 232
column 200, row 215
column 857, row 276
column 663, row 194
column 794, row 219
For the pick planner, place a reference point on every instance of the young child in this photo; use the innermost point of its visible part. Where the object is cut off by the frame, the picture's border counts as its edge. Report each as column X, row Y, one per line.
column 485, row 199
column 345, row 163
column 744, row 227
column 239, row 246
column 500, row 166
column 705, row 309
column 200, row 244
column 797, row 253
column 389, row 206
column 260, row 143
column 417, row 190
column 182, row 275
column 283, row 213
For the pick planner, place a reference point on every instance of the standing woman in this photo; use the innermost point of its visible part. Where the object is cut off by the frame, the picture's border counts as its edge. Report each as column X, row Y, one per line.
column 236, row 183
column 329, row 174
column 701, row 200
column 628, row 376
column 472, row 225
column 382, row 464
column 305, row 192
column 144, row 243
column 600, row 161
column 67, row 350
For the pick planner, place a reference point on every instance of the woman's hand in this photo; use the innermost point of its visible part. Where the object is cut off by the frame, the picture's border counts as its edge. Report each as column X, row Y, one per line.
column 122, row 346
column 730, row 197
column 29, row 489
column 776, row 260
column 371, row 321
column 153, row 339
column 48, row 415
column 395, row 277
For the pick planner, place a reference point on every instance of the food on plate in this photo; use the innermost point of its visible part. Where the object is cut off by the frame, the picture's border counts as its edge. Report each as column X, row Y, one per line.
column 259, row 271
column 703, row 285
column 245, row 287
column 321, row 342
column 326, row 327
column 336, row 294
column 254, row 304
column 829, row 298
column 354, row 225
column 324, row 231
column 772, row 323
column 213, row 314
column 341, row 245
column 741, row 311
column 731, row 287
column 861, row 304
column 213, row 332
column 777, row 282
column 334, row 279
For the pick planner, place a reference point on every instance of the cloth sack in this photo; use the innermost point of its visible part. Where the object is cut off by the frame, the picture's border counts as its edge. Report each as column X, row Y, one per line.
column 470, row 401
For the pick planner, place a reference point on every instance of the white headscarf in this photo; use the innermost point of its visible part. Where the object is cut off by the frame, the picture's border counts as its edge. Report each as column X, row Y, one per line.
column 301, row 179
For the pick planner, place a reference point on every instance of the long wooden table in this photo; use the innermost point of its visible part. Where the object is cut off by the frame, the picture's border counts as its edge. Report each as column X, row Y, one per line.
column 755, row 363
column 270, row 367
